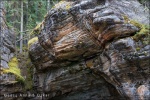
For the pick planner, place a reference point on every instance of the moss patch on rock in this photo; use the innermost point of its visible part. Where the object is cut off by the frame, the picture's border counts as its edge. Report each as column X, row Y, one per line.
column 13, row 69
column 32, row 41
column 37, row 29
column 63, row 5
column 144, row 29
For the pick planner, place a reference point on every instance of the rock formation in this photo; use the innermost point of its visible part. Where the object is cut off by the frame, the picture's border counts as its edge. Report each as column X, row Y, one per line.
column 9, row 72
column 85, row 49
column 79, row 42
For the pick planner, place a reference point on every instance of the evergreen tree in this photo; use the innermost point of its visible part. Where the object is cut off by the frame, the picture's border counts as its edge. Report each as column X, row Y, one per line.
column 24, row 15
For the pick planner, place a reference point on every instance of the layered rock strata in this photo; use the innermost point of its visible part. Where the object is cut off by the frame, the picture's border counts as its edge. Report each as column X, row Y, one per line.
column 82, row 41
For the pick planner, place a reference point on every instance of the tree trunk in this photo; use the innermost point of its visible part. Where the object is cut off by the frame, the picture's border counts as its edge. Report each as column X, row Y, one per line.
column 21, row 28
column 48, row 4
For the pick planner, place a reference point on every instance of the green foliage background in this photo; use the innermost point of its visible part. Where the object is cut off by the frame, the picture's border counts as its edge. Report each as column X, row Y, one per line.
column 34, row 11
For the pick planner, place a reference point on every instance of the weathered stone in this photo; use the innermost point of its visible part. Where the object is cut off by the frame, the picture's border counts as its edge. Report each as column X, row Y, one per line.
column 78, row 32
column 5, row 57
column 10, row 91
column 11, row 55
column 8, row 83
column 127, row 69
column 4, row 64
column 6, row 50
column 90, row 40
column 75, row 81
column 85, row 51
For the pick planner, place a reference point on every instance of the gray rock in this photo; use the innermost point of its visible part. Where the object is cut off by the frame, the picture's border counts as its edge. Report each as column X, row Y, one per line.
column 11, row 55
column 97, row 33
column 4, row 64
column 5, row 57
column 8, row 83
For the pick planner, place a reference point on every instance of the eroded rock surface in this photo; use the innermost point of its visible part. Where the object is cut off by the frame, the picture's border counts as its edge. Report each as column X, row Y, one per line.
column 83, row 41
column 8, row 83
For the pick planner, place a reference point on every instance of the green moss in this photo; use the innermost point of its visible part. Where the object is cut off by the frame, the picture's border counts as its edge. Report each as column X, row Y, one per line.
column 13, row 69
column 144, row 29
column 63, row 5
column 126, row 19
column 37, row 29
column 32, row 41
column 138, row 48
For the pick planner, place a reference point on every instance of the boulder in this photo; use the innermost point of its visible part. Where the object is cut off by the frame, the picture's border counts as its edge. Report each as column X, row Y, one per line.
column 92, row 49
